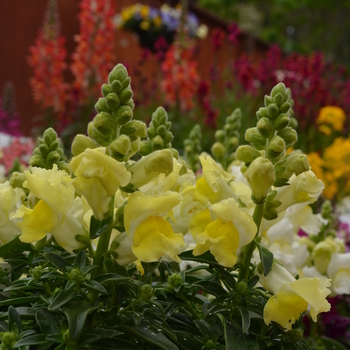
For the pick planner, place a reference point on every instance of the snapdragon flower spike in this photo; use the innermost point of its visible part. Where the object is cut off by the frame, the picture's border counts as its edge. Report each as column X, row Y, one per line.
column 227, row 139
column 193, row 147
column 159, row 135
column 49, row 152
column 270, row 139
column 113, row 126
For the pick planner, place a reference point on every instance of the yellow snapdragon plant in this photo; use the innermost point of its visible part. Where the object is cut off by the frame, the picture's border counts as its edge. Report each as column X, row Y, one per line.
column 124, row 246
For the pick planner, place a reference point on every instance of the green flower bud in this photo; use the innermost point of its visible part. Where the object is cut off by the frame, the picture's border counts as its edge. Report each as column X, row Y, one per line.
column 116, row 86
column 253, row 136
column 232, row 144
column 120, row 146
column 175, row 281
column 145, row 148
column 292, row 164
column 268, row 100
column 161, row 130
column 17, row 179
column 280, row 88
column 119, row 72
column 134, row 128
column 49, row 136
column 126, row 82
column 247, row 154
column 125, row 96
column 289, row 136
column 81, row 143
column 260, row 176
column 101, row 105
column 151, row 132
column 105, row 89
column 8, row 339
column 123, row 115
column 218, row 150
column 220, row 135
column 285, row 107
column 44, row 149
column 265, row 127
column 104, row 123
column 76, row 275
column 157, row 143
column 131, row 104
column 168, row 137
column 146, row 292
column 53, row 157
column 276, row 147
column 262, row 113
column 296, row 334
column 37, row 272
column 281, row 122
column 278, row 99
column 113, row 101
column 272, row 110
column 293, row 123
column 241, row 287
column 101, row 139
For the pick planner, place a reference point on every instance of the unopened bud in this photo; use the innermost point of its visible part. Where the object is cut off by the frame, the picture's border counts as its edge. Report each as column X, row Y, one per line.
column 265, row 127
column 276, row 147
column 289, row 135
column 81, row 143
column 253, row 136
column 247, row 154
column 218, row 150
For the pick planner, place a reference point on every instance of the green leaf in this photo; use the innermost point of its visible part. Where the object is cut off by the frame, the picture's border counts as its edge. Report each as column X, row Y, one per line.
column 76, row 312
column 57, row 261
column 95, row 286
column 206, row 258
column 20, row 301
column 145, row 333
column 110, row 277
column 110, row 344
column 61, row 299
column 55, row 338
column 80, row 260
column 266, row 258
column 35, row 339
column 245, row 319
column 235, row 340
column 210, row 287
column 14, row 319
column 205, row 328
column 49, row 322
column 13, row 247
column 98, row 227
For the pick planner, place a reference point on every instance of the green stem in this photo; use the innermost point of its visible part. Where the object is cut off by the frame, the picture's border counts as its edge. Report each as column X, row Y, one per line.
column 101, row 250
column 249, row 249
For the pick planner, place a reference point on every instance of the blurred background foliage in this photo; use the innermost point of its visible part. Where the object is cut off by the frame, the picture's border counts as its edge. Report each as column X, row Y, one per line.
column 303, row 25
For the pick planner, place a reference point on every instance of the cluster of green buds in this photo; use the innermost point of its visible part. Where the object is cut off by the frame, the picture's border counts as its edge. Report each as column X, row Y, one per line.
column 265, row 161
column 193, row 148
column 113, row 126
column 49, row 151
column 227, row 139
column 159, row 135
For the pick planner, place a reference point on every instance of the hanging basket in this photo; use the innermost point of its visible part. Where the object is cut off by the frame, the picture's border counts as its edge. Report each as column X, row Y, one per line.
column 150, row 39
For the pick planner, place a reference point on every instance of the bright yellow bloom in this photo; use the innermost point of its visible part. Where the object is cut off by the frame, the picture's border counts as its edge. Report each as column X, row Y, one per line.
column 10, row 197
column 222, row 229
column 333, row 116
column 153, row 237
column 144, row 12
column 36, row 223
column 304, row 188
column 57, row 211
column 98, row 177
column 144, row 25
column 325, row 129
column 149, row 167
column 292, row 297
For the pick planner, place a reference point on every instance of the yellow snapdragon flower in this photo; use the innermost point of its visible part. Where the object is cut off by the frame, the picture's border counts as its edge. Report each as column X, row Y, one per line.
column 10, row 198
column 145, row 222
column 292, row 297
column 58, row 211
column 98, row 177
column 222, row 229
